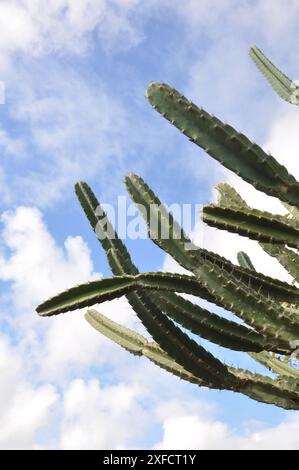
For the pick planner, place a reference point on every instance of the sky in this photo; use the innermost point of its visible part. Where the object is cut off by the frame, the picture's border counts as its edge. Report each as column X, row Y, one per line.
column 74, row 74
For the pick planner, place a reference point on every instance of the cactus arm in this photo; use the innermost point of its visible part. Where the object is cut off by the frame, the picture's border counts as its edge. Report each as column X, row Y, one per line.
column 90, row 293
column 275, row 365
column 163, row 229
column 283, row 86
column 262, row 314
column 232, row 149
column 263, row 389
column 175, row 246
column 244, row 261
column 252, row 223
column 139, row 345
column 253, row 385
column 126, row 338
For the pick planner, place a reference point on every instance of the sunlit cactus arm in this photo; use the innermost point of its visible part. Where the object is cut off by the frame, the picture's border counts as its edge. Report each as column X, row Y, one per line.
column 140, row 346
column 276, row 365
column 281, row 393
column 222, row 142
column 244, row 261
column 199, row 321
column 255, row 386
column 181, row 248
column 284, row 87
column 252, row 223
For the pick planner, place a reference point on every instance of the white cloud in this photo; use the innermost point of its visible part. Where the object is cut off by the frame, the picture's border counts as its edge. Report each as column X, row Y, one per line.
column 25, row 408
column 36, row 266
column 96, row 417
column 38, row 27
column 202, row 431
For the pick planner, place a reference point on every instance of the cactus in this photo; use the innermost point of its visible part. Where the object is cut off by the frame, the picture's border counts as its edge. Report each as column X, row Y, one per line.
column 268, row 307
column 284, row 87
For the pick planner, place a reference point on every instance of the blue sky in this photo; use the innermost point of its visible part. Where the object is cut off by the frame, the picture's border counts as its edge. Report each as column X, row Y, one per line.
column 75, row 73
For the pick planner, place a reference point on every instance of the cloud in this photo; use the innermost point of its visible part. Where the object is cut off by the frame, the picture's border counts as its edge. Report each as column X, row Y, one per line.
column 25, row 408
column 99, row 417
column 31, row 249
column 37, row 28
column 202, row 431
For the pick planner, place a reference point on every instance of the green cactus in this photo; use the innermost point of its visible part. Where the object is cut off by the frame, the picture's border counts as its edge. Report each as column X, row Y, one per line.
column 284, row 87
column 268, row 307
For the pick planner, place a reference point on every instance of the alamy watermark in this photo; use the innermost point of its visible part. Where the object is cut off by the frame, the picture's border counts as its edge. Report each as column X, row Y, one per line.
column 139, row 222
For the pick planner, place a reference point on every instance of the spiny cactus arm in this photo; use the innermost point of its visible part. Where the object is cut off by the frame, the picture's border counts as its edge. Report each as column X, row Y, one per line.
column 175, row 246
column 254, row 224
column 222, row 142
column 126, row 338
column 211, row 326
column 283, row 86
column 281, row 393
column 170, row 338
column 253, row 385
column 259, row 312
column 85, row 295
column 163, row 229
column 103, row 228
column 244, row 261
column 275, row 365
column 90, row 293
column 287, row 258
column 139, row 345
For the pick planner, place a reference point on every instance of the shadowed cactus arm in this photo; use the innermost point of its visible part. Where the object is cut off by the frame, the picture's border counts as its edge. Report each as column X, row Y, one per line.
column 222, row 142
column 284, row 87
